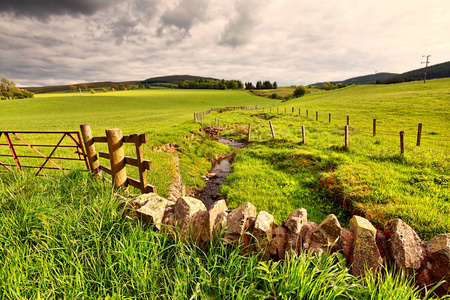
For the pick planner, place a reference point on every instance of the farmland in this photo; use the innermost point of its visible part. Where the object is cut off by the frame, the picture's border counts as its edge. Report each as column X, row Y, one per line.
column 62, row 235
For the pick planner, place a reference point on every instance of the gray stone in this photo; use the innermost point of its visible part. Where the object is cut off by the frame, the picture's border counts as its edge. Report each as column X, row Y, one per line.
column 294, row 224
column 438, row 250
column 327, row 236
column 366, row 255
column 404, row 245
column 237, row 221
column 150, row 208
column 306, row 235
column 185, row 209
column 217, row 208
column 263, row 231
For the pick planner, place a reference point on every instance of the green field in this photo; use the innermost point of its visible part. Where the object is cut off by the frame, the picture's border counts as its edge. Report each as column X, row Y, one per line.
column 62, row 236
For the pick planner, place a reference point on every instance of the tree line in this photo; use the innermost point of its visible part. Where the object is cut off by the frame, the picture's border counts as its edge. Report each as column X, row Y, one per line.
column 266, row 85
column 211, row 84
column 8, row 91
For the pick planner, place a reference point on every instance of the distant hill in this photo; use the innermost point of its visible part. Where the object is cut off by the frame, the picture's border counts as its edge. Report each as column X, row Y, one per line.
column 174, row 79
column 434, row 72
column 62, row 88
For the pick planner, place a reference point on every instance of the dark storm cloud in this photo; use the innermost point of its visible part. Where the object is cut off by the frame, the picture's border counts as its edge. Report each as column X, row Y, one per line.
column 180, row 19
column 239, row 29
column 43, row 9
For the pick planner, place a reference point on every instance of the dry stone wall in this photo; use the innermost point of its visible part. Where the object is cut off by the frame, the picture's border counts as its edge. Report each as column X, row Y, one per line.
column 361, row 245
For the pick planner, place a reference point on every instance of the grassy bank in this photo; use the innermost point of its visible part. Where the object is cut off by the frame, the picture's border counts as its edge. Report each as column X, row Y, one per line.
column 371, row 177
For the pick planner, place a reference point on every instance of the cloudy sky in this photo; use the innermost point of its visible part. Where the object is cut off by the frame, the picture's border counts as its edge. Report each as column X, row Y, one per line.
column 52, row 42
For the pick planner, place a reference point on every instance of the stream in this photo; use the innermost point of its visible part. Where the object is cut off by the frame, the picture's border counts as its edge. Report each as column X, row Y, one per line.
column 210, row 194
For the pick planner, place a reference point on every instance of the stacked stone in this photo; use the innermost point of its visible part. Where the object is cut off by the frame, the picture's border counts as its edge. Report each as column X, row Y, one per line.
column 362, row 247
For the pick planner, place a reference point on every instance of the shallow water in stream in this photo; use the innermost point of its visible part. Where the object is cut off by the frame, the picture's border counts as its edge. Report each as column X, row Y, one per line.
column 210, row 194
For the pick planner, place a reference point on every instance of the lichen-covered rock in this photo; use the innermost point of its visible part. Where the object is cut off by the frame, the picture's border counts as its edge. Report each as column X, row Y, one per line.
column 438, row 250
column 306, row 235
column 366, row 255
column 279, row 242
column 168, row 221
column 264, row 227
column 294, row 224
column 326, row 236
column 248, row 243
column 404, row 245
column 185, row 209
column 237, row 221
column 217, row 208
column 149, row 208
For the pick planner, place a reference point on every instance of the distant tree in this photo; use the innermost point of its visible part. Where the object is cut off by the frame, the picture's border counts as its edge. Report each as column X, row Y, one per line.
column 148, row 86
column 249, row 86
column 114, row 86
column 73, row 88
column 8, row 90
column 84, row 87
column 275, row 85
column 299, row 91
column 258, row 85
column 92, row 91
column 104, row 90
column 267, row 85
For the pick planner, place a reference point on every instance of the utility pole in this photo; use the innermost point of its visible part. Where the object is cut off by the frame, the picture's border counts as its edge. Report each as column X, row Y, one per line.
column 426, row 67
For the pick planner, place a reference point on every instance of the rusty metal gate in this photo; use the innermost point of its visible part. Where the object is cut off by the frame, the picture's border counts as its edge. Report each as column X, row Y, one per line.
column 15, row 140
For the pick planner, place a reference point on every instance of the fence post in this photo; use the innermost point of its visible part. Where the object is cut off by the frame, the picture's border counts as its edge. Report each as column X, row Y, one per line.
column 285, row 110
column 90, row 149
column 374, row 127
column 270, row 109
column 317, row 116
column 271, row 128
column 419, row 134
column 299, row 111
column 348, row 120
column 307, row 113
column 402, row 142
column 117, row 157
column 278, row 109
column 303, row 135
column 140, row 157
column 329, row 117
column 346, row 136
column 249, row 131
column 292, row 110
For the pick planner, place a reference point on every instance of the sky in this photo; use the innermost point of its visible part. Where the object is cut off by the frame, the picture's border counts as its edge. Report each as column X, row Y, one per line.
column 292, row 42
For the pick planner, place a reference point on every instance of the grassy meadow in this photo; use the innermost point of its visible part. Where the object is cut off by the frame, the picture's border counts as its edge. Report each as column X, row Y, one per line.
column 62, row 236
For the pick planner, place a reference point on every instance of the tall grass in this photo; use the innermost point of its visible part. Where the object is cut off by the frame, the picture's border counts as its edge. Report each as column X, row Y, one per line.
column 62, row 237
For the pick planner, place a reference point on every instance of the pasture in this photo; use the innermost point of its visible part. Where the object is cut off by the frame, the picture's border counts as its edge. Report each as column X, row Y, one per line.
column 62, row 235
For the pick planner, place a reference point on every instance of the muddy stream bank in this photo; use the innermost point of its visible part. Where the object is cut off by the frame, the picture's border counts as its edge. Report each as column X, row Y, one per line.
column 216, row 177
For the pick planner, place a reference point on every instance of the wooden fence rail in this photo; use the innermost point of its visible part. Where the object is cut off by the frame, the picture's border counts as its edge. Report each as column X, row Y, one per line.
column 115, row 140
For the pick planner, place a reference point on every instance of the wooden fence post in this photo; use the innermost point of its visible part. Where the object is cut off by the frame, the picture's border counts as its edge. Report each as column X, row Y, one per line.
column 329, row 117
column 285, row 110
column 140, row 157
column 348, row 120
column 374, row 127
column 278, row 109
column 299, row 111
column 346, row 136
column 90, row 149
column 271, row 128
column 249, row 131
column 317, row 116
column 419, row 134
column 117, row 157
column 306, row 113
column 292, row 110
column 303, row 135
column 402, row 142
column 270, row 109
